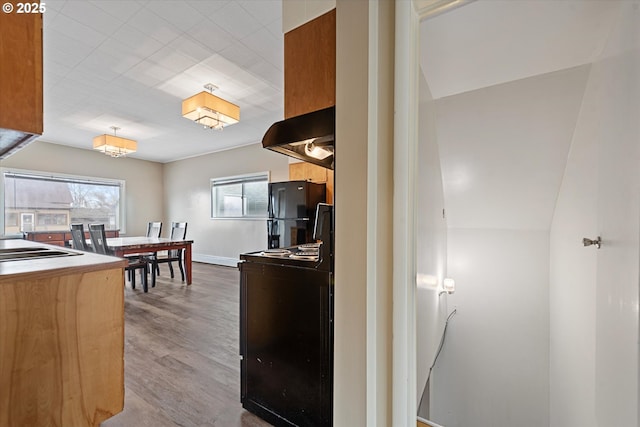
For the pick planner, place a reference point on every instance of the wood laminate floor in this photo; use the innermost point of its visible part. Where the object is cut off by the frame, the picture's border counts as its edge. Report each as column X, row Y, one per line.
column 181, row 353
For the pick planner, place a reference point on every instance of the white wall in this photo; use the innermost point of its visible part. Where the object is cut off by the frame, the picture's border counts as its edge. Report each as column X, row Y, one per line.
column 188, row 198
column 297, row 12
column 503, row 153
column 431, row 246
column 363, row 214
column 493, row 369
column 573, row 280
column 350, row 200
column 594, row 293
column 144, row 191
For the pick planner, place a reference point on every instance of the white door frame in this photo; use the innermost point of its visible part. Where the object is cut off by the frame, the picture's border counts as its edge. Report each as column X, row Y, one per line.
column 404, row 406
column 407, row 68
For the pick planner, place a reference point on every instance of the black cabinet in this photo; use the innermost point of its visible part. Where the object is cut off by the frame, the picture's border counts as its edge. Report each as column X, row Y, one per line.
column 286, row 343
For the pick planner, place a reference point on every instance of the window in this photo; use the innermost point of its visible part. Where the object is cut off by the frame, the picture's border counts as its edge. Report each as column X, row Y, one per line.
column 50, row 218
column 240, row 196
column 36, row 201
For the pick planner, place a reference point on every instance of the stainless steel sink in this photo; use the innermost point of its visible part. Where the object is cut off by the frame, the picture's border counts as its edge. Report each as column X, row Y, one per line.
column 19, row 254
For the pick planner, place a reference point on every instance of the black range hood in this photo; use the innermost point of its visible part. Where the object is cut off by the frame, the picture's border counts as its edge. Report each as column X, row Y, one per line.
column 309, row 137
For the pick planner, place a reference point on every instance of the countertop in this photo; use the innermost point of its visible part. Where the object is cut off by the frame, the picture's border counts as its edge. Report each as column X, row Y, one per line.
column 52, row 266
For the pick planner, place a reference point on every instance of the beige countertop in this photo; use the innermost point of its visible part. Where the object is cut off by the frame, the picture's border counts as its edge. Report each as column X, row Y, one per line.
column 77, row 262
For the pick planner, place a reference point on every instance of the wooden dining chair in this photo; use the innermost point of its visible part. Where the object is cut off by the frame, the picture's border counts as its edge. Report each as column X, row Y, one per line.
column 78, row 239
column 178, row 232
column 154, row 229
column 99, row 243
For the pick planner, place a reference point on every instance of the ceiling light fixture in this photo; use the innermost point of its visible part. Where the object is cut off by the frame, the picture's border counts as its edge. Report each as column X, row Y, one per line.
column 113, row 145
column 210, row 111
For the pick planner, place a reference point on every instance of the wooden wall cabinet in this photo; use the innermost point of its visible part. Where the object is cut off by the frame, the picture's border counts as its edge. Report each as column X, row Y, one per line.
column 310, row 83
column 21, row 105
column 303, row 171
column 310, row 66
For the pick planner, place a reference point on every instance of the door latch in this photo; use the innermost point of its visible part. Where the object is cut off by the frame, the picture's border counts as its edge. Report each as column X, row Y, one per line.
column 588, row 242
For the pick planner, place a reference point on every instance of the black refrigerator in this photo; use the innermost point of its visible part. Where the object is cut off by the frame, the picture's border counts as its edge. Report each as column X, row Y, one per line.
column 292, row 206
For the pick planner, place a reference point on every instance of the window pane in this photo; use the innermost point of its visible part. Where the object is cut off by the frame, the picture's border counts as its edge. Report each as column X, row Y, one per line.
column 240, row 196
column 94, row 203
column 11, row 219
column 34, row 203
column 53, row 219
column 255, row 198
column 229, row 200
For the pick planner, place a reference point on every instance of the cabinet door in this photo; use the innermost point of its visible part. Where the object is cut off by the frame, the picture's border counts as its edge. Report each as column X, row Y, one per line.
column 286, row 344
column 310, row 66
column 303, row 171
column 21, row 71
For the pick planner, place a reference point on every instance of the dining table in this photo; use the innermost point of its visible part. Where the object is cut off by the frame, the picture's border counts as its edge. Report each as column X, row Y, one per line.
column 122, row 246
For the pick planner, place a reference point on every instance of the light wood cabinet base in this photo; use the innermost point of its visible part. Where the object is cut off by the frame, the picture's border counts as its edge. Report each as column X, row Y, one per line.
column 62, row 349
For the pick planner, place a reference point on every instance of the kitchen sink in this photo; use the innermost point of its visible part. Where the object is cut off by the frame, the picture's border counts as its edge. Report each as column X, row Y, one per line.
column 19, row 254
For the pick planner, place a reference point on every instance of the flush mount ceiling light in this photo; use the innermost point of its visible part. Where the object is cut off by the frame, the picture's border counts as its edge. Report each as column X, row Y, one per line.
column 113, row 145
column 210, row 111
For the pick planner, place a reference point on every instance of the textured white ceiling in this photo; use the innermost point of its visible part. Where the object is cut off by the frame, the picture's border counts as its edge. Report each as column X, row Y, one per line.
column 130, row 63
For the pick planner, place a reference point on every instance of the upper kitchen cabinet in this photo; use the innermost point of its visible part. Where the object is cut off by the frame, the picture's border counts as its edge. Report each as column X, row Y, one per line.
column 21, row 118
column 310, row 66
column 304, row 171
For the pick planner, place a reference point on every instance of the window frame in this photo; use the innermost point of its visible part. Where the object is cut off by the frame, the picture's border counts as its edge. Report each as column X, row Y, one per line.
column 122, row 218
column 236, row 179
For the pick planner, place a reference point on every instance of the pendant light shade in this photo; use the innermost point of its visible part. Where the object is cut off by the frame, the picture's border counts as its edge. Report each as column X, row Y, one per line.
column 209, row 110
column 113, row 145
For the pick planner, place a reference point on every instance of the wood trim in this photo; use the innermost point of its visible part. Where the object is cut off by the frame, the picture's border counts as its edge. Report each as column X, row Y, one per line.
column 310, row 66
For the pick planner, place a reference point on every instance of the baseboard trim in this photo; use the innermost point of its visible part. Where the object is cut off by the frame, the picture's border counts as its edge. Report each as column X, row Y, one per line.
column 212, row 259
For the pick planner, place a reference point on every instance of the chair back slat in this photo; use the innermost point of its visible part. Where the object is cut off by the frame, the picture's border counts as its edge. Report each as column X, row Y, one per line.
column 154, row 229
column 178, row 232
column 77, row 237
column 99, row 239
